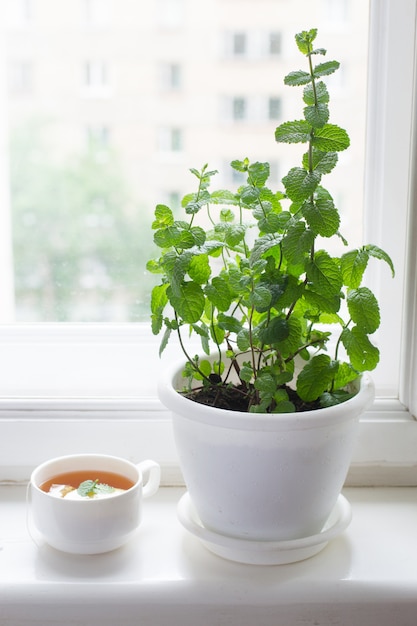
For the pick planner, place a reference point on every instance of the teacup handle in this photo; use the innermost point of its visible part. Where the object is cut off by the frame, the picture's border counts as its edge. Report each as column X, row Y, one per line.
column 151, row 473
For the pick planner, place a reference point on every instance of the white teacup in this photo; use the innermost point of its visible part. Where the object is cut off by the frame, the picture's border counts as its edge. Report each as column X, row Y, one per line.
column 90, row 525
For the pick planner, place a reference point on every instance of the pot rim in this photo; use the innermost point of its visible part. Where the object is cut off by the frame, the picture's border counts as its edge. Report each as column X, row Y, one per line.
column 226, row 418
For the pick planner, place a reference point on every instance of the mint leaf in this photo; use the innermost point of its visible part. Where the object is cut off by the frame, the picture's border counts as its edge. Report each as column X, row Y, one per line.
column 322, row 303
column 380, row 254
column 324, row 274
column 327, row 68
column 218, row 293
column 362, row 353
column 293, row 132
column 305, row 39
column 353, row 264
column 163, row 216
column 317, row 115
column 299, row 77
column 86, row 488
column 316, row 376
column 322, row 216
column 330, row 138
column 322, row 162
column 320, row 95
column 300, row 184
column 363, row 309
column 189, row 303
column 89, row 488
column 199, row 269
column 331, row 398
column 297, row 243
column 103, row 488
column 276, row 331
column 345, row 375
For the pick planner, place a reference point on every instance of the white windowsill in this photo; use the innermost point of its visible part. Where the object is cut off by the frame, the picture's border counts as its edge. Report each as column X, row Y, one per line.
column 165, row 576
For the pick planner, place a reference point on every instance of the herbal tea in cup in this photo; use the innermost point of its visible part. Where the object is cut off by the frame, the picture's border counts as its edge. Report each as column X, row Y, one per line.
column 89, row 503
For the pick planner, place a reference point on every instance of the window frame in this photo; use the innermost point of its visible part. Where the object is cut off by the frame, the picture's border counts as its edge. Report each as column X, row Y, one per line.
column 50, row 420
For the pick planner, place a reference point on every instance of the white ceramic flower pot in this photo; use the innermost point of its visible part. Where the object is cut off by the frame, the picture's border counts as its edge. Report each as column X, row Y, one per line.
column 268, row 477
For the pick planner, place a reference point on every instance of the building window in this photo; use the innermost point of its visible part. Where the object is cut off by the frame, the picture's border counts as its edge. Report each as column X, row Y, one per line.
column 170, row 140
column 239, row 109
column 95, row 74
column 239, row 44
column 274, row 108
column 96, row 79
column 170, row 76
column 275, row 43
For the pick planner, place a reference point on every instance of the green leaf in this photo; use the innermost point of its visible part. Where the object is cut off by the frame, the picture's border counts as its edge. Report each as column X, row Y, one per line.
column 249, row 195
column 205, row 367
column 260, row 298
column 325, row 69
column 189, row 303
column 263, row 245
column 376, row 252
column 223, row 196
column 321, row 215
column 334, row 397
column 243, row 340
column 304, row 40
column 158, row 298
column 103, row 488
column 353, row 264
column 89, row 488
column 322, row 162
column 276, row 331
column 230, row 323
column 330, row 138
column 345, row 375
column 364, row 309
column 199, row 269
column 317, row 115
column 246, row 373
column 163, row 216
column 227, row 215
column 319, row 95
column 299, row 77
column 198, row 234
column 297, row 243
column 363, row 355
column 293, row 132
column 324, row 274
column 265, row 382
column 174, row 236
column 322, row 303
column 200, row 330
column 300, row 184
column 316, row 377
column 283, row 406
column 86, row 488
column 165, row 339
column 219, row 293
column 235, row 234
column 258, row 173
column 290, row 344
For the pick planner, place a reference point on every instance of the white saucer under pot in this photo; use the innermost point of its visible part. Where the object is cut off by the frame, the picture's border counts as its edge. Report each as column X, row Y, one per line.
column 265, row 552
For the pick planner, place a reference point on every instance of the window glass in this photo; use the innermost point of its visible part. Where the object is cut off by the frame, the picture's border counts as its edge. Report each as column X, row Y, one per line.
column 104, row 111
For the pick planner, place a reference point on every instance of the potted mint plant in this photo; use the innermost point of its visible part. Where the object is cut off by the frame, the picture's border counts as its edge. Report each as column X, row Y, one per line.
column 265, row 417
